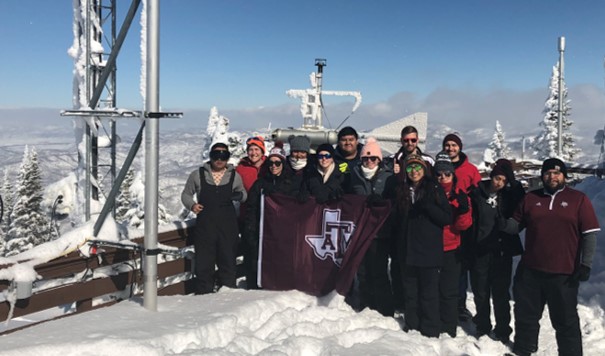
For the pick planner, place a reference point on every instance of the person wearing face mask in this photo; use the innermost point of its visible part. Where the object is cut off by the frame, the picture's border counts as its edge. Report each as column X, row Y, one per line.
column 560, row 240
column 369, row 178
column 299, row 154
column 492, row 250
column 215, row 236
column 276, row 177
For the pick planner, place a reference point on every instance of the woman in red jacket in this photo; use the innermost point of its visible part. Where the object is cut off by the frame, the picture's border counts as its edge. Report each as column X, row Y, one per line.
column 462, row 220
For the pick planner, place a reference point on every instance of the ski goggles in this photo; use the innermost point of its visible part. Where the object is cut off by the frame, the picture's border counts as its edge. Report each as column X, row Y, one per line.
column 219, row 155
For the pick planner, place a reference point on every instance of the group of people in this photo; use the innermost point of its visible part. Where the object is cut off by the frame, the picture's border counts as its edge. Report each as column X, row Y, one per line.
column 446, row 225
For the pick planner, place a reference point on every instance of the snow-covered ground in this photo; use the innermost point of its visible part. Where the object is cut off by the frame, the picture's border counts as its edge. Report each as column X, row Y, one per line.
column 239, row 322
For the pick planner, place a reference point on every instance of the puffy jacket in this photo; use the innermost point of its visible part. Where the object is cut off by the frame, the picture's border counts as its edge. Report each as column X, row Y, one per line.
column 467, row 174
column 461, row 222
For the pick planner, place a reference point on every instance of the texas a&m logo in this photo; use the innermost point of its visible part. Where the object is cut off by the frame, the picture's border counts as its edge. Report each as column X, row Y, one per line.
column 334, row 238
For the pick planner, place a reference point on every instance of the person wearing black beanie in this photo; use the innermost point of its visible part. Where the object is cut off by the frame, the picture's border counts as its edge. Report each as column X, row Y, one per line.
column 561, row 230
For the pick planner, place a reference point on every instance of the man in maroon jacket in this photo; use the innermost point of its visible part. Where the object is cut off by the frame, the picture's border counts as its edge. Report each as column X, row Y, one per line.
column 560, row 241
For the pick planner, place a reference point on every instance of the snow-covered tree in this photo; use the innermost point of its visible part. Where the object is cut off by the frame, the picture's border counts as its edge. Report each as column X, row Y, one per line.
column 497, row 148
column 7, row 204
column 546, row 143
column 29, row 224
column 218, row 130
column 135, row 215
column 124, row 201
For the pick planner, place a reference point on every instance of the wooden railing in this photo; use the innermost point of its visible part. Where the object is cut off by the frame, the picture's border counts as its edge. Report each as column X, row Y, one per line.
column 62, row 272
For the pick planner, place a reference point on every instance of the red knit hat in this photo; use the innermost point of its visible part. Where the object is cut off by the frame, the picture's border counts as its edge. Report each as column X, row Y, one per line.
column 257, row 141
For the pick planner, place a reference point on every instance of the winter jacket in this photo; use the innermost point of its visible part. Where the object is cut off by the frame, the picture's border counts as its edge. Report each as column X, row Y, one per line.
column 488, row 215
column 362, row 186
column 286, row 183
column 467, row 174
column 461, row 221
column 421, row 232
column 323, row 192
column 193, row 184
column 345, row 166
column 374, row 188
column 248, row 171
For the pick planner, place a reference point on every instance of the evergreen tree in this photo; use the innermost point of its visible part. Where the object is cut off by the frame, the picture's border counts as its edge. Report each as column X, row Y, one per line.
column 7, row 203
column 498, row 147
column 29, row 225
column 135, row 215
column 124, row 200
column 546, row 143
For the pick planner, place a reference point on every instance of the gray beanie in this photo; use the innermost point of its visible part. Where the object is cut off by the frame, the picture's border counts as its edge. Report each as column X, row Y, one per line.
column 299, row 143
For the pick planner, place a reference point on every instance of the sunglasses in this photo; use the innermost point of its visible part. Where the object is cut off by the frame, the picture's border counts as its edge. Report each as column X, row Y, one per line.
column 410, row 140
column 219, row 155
column 444, row 174
column 275, row 163
column 324, row 156
column 413, row 167
column 371, row 158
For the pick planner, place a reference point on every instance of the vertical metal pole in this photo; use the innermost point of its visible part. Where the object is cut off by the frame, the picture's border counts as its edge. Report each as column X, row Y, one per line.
column 152, row 96
column 88, row 140
column 561, row 67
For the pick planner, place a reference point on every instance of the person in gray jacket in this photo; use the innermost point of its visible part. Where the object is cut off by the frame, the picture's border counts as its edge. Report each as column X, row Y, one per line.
column 215, row 235
column 370, row 179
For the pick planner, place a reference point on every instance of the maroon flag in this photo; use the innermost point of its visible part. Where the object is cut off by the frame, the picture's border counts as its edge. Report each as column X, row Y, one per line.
column 315, row 248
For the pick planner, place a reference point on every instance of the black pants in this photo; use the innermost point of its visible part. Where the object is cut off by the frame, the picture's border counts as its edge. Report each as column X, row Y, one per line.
column 396, row 277
column 448, row 292
column 532, row 290
column 491, row 278
column 374, row 282
column 250, row 252
column 421, row 288
column 215, row 242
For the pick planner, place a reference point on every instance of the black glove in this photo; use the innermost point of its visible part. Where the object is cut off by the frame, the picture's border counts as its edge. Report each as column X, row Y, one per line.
column 237, row 196
column 462, row 200
column 581, row 274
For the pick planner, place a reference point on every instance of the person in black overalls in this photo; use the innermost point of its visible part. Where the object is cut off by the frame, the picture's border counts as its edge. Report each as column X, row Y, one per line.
column 215, row 236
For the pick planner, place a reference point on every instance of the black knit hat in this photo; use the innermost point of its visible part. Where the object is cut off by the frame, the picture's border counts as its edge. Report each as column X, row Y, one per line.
column 452, row 137
column 326, row 147
column 554, row 163
column 504, row 168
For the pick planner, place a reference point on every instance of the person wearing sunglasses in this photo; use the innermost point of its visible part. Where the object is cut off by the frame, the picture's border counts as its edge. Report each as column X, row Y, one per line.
column 215, row 236
column 422, row 211
column 325, row 181
column 276, row 177
column 449, row 275
column 409, row 145
column 370, row 179
column 492, row 250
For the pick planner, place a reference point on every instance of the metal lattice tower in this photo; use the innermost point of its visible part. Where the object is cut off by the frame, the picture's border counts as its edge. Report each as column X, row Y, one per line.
column 97, row 94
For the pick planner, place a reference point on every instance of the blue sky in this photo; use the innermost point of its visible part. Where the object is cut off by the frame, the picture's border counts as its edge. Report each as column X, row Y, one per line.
column 243, row 55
